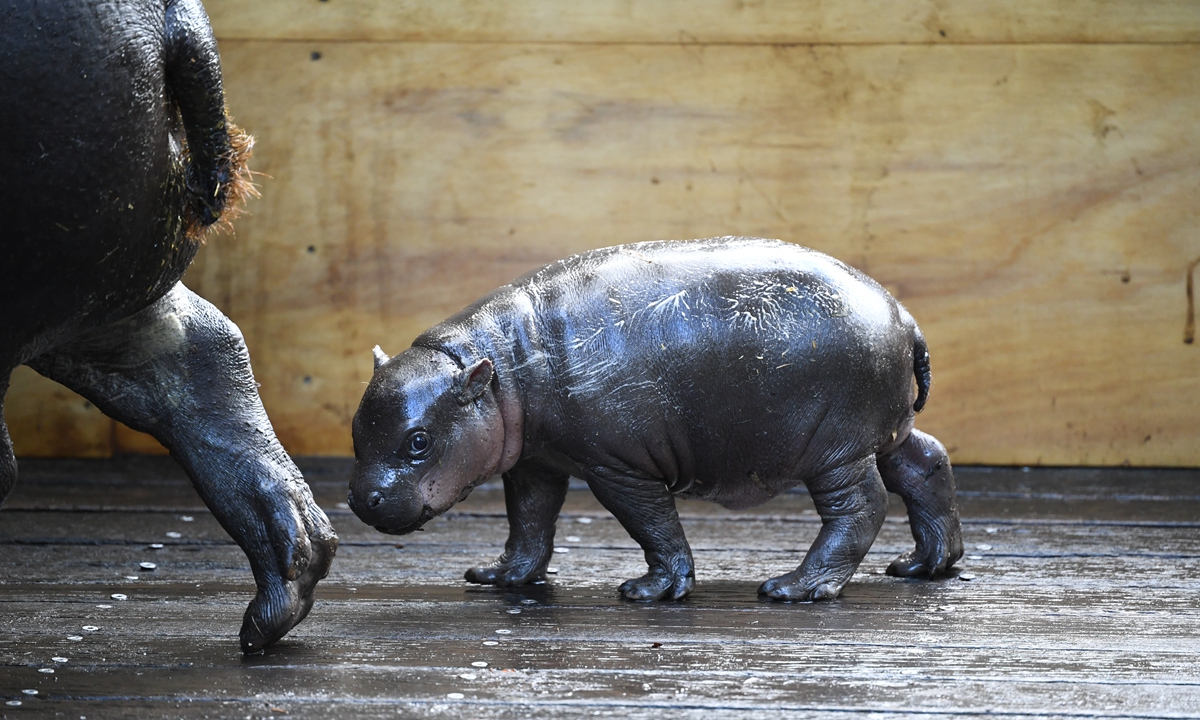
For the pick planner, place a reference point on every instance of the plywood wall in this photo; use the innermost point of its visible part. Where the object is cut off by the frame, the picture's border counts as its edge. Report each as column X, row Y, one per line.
column 1024, row 176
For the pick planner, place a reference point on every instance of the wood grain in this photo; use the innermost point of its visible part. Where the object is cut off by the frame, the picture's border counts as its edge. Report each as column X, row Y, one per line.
column 709, row 21
column 1067, row 616
column 1034, row 205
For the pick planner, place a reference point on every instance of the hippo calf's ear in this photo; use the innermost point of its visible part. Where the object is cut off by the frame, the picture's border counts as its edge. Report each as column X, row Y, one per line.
column 473, row 381
column 380, row 356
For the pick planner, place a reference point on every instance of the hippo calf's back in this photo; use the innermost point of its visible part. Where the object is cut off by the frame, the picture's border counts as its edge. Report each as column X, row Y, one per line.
column 730, row 369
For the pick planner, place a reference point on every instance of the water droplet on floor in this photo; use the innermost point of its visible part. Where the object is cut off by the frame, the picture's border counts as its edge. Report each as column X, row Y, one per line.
column 148, row 566
column 186, row 518
column 584, row 521
column 991, row 531
column 974, row 557
column 530, row 601
column 119, row 596
column 479, row 663
column 983, row 546
column 75, row 638
column 90, row 628
column 48, row 671
column 551, row 571
column 174, row 535
column 572, row 538
column 156, row 546
column 562, row 550
column 490, row 643
column 468, row 676
column 504, row 632
column 13, row 703
column 29, row 691
column 514, row 611
column 455, row 696
column 966, row 576
column 131, row 577
column 59, row 659
column 104, row 607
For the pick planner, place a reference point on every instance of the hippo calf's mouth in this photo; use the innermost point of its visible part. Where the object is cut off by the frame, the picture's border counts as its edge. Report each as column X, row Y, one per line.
column 427, row 514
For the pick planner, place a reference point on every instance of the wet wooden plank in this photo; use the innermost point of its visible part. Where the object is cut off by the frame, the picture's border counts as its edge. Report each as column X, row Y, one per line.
column 709, row 21
column 1070, row 613
column 600, row 650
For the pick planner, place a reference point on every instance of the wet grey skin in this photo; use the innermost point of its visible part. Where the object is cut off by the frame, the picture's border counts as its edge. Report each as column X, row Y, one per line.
column 103, row 212
column 727, row 369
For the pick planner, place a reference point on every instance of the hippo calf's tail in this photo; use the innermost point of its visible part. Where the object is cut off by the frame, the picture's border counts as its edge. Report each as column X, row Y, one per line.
column 921, row 369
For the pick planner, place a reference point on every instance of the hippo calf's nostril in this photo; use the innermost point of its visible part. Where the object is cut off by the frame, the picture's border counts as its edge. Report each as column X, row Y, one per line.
column 374, row 499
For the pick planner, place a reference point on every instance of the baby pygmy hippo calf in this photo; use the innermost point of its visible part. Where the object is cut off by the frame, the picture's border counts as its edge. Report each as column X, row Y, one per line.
column 728, row 369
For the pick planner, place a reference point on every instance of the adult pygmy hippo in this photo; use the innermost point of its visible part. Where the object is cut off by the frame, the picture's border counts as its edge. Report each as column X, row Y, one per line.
column 728, row 369
column 115, row 155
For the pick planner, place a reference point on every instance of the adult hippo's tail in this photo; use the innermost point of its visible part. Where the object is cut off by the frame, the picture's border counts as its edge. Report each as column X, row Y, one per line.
column 921, row 369
column 217, row 180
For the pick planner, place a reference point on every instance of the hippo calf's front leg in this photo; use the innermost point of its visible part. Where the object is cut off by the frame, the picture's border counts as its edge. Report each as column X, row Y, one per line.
column 852, row 503
column 532, row 497
column 646, row 509
column 179, row 370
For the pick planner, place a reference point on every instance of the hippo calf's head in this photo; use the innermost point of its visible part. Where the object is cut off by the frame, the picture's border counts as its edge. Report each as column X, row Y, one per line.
column 425, row 433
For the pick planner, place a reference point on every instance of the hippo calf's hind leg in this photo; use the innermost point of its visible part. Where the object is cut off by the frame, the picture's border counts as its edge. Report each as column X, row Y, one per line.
column 919, row 472
column 852, row 503
column 179, row 370
column 646, row 509
column 532, row 496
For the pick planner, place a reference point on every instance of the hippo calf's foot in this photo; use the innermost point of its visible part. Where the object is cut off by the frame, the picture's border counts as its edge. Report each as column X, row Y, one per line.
column 661, row 583
column 797, row 586
column 919, row 472
column 852, row 503
column 507, row 573
column 533, row 495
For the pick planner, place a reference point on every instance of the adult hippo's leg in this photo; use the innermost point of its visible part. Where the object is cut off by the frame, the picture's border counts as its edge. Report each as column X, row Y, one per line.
column 852, row 503
column 8, row 461
column 919, row 472
column 179, row 370
column 533, row 496
column 646, row 509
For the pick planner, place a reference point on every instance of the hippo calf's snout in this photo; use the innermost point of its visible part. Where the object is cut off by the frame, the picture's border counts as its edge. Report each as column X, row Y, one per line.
column 389, row 506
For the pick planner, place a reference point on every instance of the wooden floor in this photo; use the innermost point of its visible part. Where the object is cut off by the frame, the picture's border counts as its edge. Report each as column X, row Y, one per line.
column 1079, row 598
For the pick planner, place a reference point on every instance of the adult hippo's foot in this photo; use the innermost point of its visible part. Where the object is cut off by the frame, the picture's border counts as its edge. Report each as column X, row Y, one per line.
column 533, row 495
column 179, row 370
column 852, row 503
column 646, row 509
column 919, row 472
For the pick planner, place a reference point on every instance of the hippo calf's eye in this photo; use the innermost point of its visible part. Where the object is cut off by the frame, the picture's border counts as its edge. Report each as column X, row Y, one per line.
column 417, row 445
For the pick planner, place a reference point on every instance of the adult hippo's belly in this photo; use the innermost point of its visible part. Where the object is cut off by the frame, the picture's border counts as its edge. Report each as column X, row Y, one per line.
column 117, row 156
column 731, row 372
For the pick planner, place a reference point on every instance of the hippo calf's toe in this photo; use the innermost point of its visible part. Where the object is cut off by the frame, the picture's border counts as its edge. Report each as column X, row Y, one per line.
column 728, row 369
